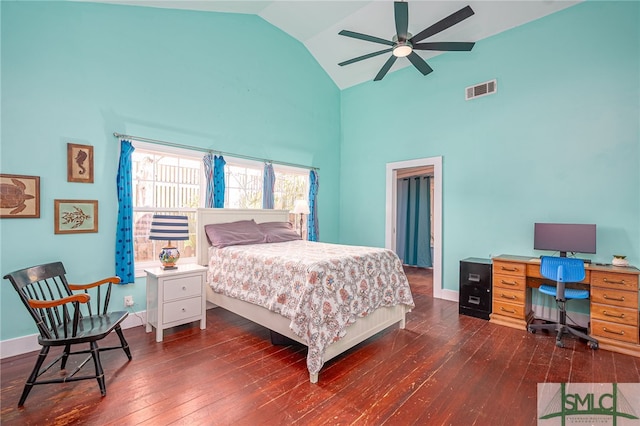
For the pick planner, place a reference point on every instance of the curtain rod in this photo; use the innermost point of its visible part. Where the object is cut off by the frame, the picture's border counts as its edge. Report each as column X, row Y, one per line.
column 197, row 148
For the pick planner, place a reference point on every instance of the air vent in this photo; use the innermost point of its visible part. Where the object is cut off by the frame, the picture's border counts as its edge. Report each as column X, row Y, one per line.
column 482, row 89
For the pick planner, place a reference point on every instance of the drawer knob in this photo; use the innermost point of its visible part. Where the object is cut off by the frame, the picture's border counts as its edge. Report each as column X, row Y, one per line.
column 511, row 311
column 619, row 333
column 508, row 282
column 506, row 296
column 184, row 287
column 617, row 299
column 184, row 310
column 606, row 280
column 612, row 315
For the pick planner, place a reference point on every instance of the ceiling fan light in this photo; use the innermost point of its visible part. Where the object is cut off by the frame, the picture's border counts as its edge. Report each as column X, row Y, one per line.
column 402, row 50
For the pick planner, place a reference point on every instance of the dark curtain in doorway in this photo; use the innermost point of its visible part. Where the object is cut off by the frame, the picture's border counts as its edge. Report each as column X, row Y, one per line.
column 413, row 228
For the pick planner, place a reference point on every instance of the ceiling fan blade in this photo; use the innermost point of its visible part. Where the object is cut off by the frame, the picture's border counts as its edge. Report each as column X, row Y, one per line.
column 401, row 10
column 443, row 24
column 385, row 68
column 363, row 57
column 365, row 37
column 447, row 46
column 419, row 63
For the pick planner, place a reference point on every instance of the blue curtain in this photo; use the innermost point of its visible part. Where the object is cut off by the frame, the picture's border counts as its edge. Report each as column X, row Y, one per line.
column 269, row 181
column 401, row 217
column 218, row 181
column 413, row 237
column 208, row 172
column 313, row 227
column 125, row 267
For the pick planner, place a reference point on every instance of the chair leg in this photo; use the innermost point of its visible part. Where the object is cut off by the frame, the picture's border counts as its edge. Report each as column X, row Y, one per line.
column 95, row 353
column 582, row 335
column 34, row 375
column 123, row 342
column 65, row 356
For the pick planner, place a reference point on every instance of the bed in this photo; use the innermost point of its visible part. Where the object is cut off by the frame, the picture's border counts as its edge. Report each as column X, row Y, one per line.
column 365, row 289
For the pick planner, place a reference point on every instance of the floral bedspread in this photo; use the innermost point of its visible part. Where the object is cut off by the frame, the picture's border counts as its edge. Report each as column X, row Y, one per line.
column 322, row 288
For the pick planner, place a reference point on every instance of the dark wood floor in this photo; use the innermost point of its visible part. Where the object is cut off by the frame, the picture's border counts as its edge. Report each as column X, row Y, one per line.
column 442, row 369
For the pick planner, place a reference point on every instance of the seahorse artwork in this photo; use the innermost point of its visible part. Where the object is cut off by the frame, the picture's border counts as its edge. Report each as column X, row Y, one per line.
column 76, row 217
column 80, row 159
column 14, row 196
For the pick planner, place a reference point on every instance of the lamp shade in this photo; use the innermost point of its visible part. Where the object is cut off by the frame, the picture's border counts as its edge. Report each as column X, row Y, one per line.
column 171, row 228
column 301, row 207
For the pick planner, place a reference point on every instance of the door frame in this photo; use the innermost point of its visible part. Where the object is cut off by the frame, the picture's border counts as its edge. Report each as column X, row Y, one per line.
column 392, row 208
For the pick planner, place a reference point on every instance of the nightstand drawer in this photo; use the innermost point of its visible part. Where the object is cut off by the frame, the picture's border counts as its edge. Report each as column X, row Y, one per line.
column 181, row 309
column 182, row 287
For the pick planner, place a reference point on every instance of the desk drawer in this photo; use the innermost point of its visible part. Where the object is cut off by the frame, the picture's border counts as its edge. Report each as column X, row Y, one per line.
column 607, row 296
column 509, row 282
column 508, row 309
column 623, row 333
column 614, row 281
column 509, row 268
column 509, row 296
column 609, row 313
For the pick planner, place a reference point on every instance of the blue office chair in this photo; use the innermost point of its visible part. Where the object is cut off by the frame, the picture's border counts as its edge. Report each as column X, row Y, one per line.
column 563, row 270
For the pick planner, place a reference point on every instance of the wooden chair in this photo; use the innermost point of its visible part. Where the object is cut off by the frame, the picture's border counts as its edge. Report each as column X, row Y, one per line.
column 66, row 319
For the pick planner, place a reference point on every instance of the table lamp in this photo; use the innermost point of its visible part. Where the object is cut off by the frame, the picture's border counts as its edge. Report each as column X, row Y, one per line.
column 169, row 228
column 301, row 207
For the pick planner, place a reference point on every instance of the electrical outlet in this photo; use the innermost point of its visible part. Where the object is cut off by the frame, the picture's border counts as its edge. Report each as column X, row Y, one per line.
column 128, row 301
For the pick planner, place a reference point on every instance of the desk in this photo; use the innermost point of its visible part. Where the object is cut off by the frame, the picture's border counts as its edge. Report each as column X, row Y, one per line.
column 613, row 300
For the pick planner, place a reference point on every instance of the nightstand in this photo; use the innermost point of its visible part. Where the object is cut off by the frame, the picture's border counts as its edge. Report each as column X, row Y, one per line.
column 176, row 297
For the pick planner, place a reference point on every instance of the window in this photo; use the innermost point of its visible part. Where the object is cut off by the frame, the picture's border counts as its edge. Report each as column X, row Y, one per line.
column 244, row 187
column 169, row 180
column 165, row 181
column 291, row 184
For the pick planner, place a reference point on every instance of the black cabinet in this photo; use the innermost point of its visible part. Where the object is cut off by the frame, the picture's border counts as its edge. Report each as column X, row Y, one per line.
column 475, row 287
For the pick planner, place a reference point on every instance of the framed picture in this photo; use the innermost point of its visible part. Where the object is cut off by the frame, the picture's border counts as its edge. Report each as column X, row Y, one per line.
column 79, row 163
column 75, row 216
column 19, row 196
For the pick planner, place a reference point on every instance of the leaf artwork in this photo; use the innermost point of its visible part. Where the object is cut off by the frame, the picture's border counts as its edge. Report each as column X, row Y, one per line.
column 76, row 217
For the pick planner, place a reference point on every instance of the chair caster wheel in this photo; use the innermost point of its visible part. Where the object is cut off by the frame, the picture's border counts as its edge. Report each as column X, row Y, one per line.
column 559, row 344
column 593, row 345
column 531, row 330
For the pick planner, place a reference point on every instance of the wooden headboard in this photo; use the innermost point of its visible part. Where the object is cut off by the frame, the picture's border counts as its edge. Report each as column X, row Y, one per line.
column 207, row 216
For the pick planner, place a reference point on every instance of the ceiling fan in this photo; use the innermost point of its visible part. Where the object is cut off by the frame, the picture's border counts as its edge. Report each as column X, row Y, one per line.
column 404, row 44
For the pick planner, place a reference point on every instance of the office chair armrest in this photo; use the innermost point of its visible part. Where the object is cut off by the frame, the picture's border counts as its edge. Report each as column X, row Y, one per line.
column 112, row 280
column 43, row 304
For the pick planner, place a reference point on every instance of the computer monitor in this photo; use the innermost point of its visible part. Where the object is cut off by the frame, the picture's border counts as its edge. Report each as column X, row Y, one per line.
column 565, row 237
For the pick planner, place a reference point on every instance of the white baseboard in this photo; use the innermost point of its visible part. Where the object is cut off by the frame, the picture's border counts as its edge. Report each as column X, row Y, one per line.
column 452, row 295
column 26, row 344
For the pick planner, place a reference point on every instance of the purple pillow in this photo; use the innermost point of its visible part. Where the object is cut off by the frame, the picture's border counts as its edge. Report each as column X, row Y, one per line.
column 279, row 232
column 234, row 233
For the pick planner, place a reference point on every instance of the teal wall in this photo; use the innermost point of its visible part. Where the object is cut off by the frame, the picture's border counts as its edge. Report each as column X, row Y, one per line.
column 77, row 72
column 558, row 142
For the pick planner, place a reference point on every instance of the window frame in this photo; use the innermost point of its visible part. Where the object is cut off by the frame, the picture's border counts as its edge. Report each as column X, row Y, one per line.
column 191, row 154
column 230, row 161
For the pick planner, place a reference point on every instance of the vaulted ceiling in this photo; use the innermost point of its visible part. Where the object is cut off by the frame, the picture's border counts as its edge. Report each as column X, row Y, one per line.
column 316, row 24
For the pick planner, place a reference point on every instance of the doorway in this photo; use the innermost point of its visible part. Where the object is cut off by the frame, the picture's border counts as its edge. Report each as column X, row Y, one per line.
column 397, row 169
